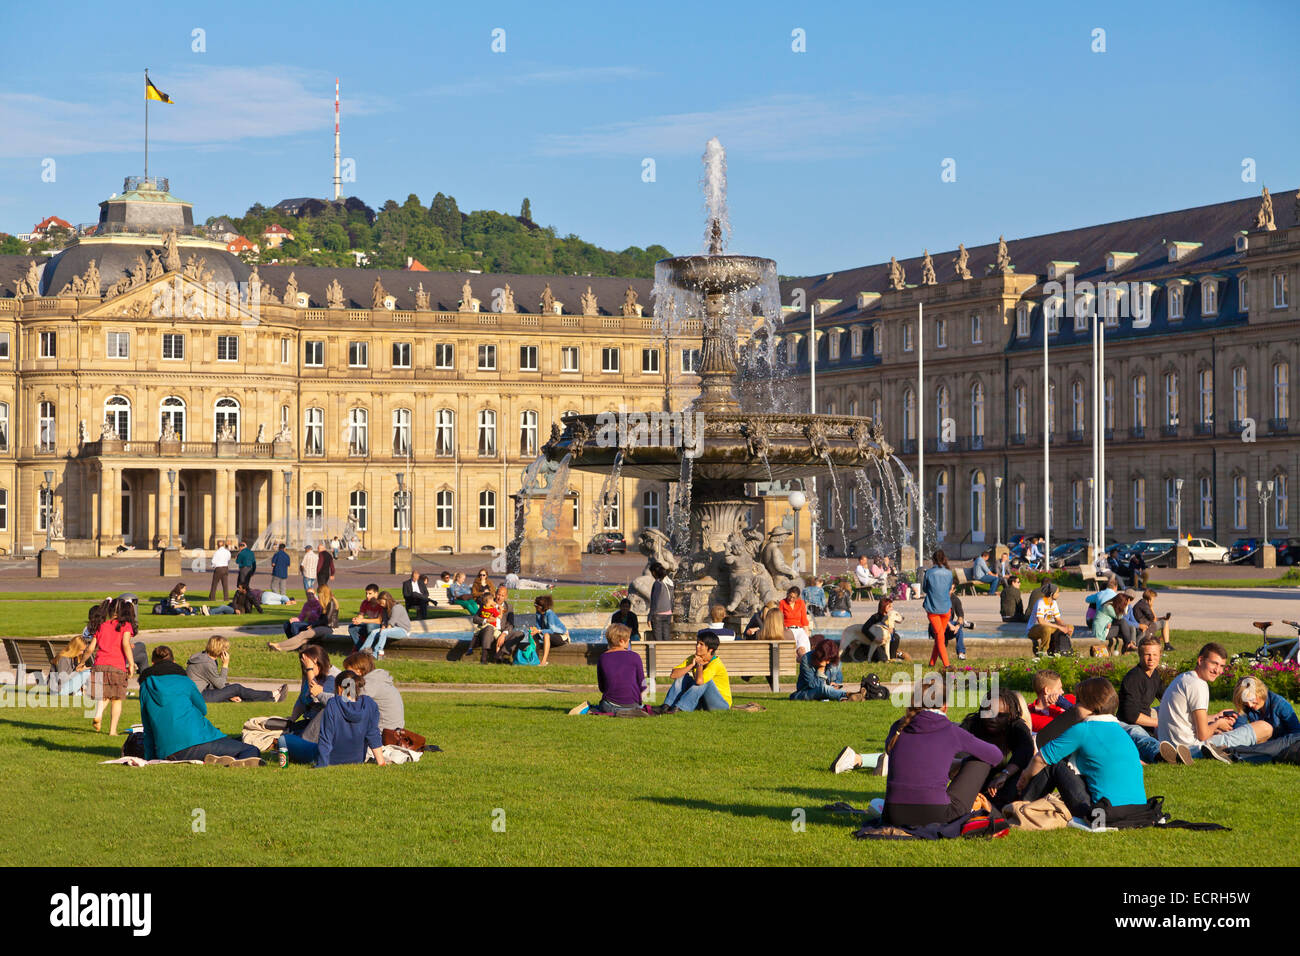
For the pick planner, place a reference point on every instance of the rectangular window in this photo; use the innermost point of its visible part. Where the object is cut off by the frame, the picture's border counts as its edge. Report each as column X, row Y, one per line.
column 358, row 354
column 876, row 345
column 1239, row 502
column 1243, row 293
column 1279, row 290
column 487, row 358
column 941, row 333
column 1209, row 298
column 1022, row 321
column 609, row 360
column 855, row 342
column 4, row 346
column 1281, row 501
column 173, row 345
column 313, row 354
column 444, row 511
column 690, row 360
column 227, row 348
column 1171, row 503
column 1207, row 503
column 401, row 355
column 1139, row 503
column 49, row 345
column 4, row 510
column 1176, row 302
column 833, row 346
column 119, row 345
column 650, row 361
column 444, row 355
column 907, row 336
column 286, row 351
column 976, row 329
column 528, row 358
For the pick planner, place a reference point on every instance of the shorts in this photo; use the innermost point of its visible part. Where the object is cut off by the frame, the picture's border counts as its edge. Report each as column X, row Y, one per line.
column 800, row 637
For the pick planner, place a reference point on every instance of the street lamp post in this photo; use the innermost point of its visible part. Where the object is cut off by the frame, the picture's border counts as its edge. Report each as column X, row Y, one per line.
column 1264, row 489
column 171, row 506
column 997, row 492
column 797, row 500
column 288, row 480
column 50, row 502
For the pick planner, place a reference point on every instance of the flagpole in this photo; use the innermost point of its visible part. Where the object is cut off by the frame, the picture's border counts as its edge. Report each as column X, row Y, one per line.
column 146, row 123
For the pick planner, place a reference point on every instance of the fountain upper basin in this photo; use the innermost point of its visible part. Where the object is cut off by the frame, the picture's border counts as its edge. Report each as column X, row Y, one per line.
column 712, row 274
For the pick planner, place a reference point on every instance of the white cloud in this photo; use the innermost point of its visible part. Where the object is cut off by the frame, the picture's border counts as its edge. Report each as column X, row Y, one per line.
column 212, row 106
column 777, row 127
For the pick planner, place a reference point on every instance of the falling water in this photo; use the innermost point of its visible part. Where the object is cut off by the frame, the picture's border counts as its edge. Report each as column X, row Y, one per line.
column 714, row 183
column 837, row 504
column 608, row 489
column 556, row 489
column 528, row 487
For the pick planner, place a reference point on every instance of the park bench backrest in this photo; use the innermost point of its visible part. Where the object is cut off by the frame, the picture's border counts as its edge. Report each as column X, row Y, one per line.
column 768, row 659
column 35, row 656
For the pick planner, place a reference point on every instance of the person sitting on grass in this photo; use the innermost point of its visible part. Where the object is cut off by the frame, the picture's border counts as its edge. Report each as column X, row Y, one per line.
column 174, row 716
column 701, row 681
column 1139, row 692
column 549, row 628
column 368, row 619
column 348, row 727
column 814, row 595
column 620, row 674
column 379, row 686
column 816, row 682
column 1011, row 603
column 1045, row 629
column 70, row 671
column 1105, row 762
column 999, row 721
column 1183, row 721
column 921, row 749
column 625, row 616
column 1050, row 699
column 175, row 602
column 718, row 623
column 317, row 689
column 1270, row 715
column 794, row 614
column 209, row 669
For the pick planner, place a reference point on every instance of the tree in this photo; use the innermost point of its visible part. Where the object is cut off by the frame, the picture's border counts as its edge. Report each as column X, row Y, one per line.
column 12, row 246
column 445, row 216
column 526, row 211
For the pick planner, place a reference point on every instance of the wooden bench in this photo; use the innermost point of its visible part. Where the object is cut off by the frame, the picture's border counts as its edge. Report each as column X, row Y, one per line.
column 437, row 595
column 1088, row 573
column 961, row 582
column 30, row 654
column 768, row 659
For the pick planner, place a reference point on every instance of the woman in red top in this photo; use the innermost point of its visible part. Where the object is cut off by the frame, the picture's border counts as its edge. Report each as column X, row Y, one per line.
column 111, row 651
column 794, row 611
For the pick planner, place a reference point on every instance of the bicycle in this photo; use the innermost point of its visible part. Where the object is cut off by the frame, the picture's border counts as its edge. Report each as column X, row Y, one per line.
column 1281, row 649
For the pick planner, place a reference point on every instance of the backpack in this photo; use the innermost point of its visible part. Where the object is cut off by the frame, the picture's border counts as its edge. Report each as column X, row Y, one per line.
column 332, row 615
column 874, row 690
column 526, row 652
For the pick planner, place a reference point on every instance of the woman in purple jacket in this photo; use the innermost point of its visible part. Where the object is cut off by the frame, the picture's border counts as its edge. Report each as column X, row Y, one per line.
column 922, row 747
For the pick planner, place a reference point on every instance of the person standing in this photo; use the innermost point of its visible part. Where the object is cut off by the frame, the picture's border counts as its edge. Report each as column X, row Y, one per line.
column 661, row 605
column 246, row 561
column 307, row 567
column 220, row 568
column 937, row 587
column 324, row 567
column 114, row 664
column 280, row 571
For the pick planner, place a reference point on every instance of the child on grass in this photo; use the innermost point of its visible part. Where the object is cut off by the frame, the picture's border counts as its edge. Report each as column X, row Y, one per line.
column 1049, row 699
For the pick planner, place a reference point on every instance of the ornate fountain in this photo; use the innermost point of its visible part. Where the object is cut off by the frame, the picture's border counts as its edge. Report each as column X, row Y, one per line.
column 714, row 447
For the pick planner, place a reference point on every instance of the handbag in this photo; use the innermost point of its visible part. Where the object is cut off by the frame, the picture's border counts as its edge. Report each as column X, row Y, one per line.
column 401, row 737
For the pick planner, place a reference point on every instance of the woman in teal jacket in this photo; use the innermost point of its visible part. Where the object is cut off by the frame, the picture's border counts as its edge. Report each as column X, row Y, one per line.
column 174, row 715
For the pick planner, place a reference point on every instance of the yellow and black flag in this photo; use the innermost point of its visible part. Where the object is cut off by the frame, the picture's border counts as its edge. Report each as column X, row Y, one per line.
column 152, row 92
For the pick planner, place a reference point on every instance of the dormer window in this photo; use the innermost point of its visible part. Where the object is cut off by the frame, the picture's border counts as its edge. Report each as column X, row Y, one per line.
column 834, row 345
column 1181, row 250
column 1118, row 260
column 1243, row 242
column 866, row 299
column 1175, row 302
column 1052, row 309
column 855, row 341
column 1243, row 293
column 1058, row 268
column 1082, row 311
column 1209, row 297
column 875, row 339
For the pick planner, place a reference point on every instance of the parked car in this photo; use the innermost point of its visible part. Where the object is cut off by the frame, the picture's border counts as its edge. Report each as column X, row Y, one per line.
column 607, row 542
column 1069, row 552
column 1288, row 550
column 1243, row 549
column 1155, row 550
column 1203, row 549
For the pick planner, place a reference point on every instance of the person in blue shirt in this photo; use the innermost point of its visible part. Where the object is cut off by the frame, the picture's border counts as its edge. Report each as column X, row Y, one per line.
column 980, row 571
column 937, row 587
column 1097, row 600
column 175, row 721
column 1107, row 761
column 549, row 626
column 1270, row 715
column 814, row 595
column 280, row 571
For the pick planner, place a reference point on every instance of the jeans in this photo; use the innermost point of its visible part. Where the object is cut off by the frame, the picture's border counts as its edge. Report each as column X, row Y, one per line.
column 294, row 628
column 274, row 597
column 360, row 633
column 308, row 584
column 961, row 643
column 686, row 695
column 1147, row 745
column 661, row 627
column 381, row 636
column 72, row 683
column 278, row 586
column 990, row 580
column 1266, row 752
column 299, row 750
column 221, row 747
column 1243, row 736
column 245, row 575
column 822, row 691
column 1074, row 792
column 223, row 609
column 215, row 695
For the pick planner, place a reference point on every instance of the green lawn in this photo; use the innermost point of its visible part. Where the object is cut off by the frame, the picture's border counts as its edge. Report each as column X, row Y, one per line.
column 702, row 789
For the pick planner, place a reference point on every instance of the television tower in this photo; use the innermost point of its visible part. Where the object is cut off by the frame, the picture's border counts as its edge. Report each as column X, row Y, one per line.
column 337, row 181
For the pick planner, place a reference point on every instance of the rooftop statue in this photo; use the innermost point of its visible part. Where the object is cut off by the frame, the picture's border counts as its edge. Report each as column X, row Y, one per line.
column 589, row 303
column 377, row 294
column 334, row 295
column 959, row 264
column 1003, row 263
column 29, row 284
column 547, row 305
column 171, row 253
column 629, row 302
column 466, row 297
column 421, row 299
column 291, row 290
column 927, row 271
column 897, row 279
column 1264, row 218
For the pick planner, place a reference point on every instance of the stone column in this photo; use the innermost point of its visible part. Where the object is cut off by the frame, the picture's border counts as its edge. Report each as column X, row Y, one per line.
column 223, row 502
column 115, row 506
column 275, row 488
column 105, row 505
column 207, row 509
column 149, row 512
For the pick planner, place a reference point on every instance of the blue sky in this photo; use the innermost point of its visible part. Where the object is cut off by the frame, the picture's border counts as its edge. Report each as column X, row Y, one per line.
column 834, row 154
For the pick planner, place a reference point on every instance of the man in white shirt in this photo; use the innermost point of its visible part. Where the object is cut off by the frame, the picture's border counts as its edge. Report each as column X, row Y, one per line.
column 1045, row 621
column 1182, row 718
column 862, row 576
column 220, row 565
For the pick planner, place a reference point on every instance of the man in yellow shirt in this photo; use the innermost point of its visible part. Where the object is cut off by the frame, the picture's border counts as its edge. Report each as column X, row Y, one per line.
column 700, row 682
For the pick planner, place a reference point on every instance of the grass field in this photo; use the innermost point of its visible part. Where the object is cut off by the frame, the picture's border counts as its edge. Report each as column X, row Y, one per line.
column 702, row 789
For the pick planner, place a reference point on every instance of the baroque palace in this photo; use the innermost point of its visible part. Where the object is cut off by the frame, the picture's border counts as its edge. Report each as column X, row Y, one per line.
column 172, row 391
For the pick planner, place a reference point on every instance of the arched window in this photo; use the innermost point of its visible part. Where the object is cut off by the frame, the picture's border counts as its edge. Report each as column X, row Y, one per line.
column 358, row 432
column 444, row 433
column 977, row 410
column 401, row 432
column 977, row 499
column 445, row 511
column 117, row 415
column 853, row 408
column 528, row 433
column 941, row 503
column 357, row 509
column 487, row 433
column 1239, row 404
column 171, row 417
column 613, row 512
column 909, row 414
column 487, row 510
column 313, row 432
column 45, row 433
column 1281, row 391
column 875, row 408
column 314, row 510
column 226, row 418
column 650, row 509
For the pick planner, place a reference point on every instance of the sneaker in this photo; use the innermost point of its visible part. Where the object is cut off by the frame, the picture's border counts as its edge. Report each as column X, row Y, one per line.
column 1184, row 755
column 881, row 769
column 248, row 762
column 1168, row 648
column 961, row 657
column 1215, row 752
column 580, row 709
column 280, row 692
column 221, row 761
column 1168, row 752
column 204, row 609
column 845, row 762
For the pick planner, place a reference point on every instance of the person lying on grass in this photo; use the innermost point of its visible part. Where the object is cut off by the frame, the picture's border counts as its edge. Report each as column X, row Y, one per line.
column 619, row 674
column 174, row 716
column 1107, row 762
column 209, row 669
column 820, row 677
column 701, row 681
